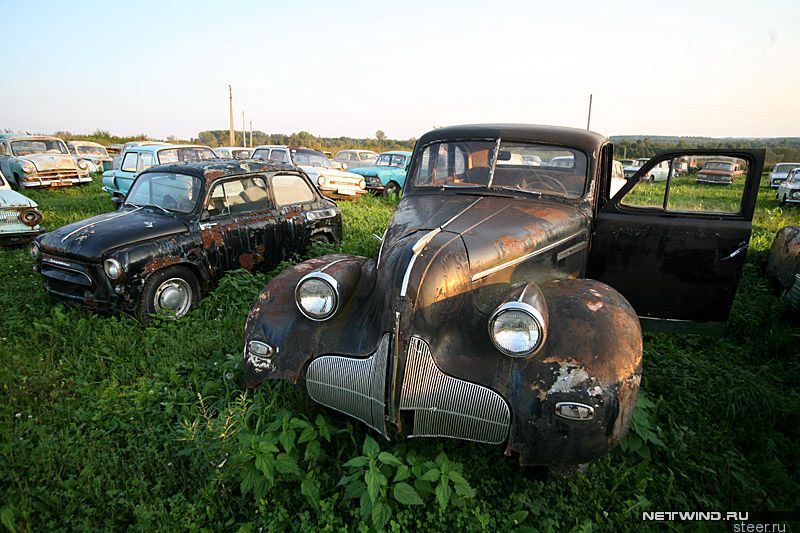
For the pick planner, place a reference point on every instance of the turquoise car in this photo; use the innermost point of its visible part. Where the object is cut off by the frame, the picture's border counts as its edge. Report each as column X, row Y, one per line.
column 388, row 175
column 19, row 216
column 136, row 159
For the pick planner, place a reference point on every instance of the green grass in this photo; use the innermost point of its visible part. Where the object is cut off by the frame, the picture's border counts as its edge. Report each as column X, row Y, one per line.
column 110, row 424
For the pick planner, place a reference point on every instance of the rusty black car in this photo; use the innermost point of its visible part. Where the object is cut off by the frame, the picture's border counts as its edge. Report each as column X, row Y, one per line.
column 504, row 304
column 783, row 265
column 180, row 228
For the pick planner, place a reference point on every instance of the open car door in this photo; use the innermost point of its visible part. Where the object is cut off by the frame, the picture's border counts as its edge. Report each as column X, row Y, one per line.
column 674, row 243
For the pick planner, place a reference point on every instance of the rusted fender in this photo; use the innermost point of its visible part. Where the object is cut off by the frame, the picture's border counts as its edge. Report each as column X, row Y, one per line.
column 784, row 256
column 294, row 339
column 592, row 356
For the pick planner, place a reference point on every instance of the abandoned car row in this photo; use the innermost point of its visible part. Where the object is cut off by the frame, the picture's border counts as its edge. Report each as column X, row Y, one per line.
column 505, row 302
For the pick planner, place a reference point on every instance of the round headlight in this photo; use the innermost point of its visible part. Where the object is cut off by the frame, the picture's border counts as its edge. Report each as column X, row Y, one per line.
column 113, row 268
column 34, row 250
column 28, row 167
column 83, row 164
column 796, row 194
column 322, row 181
column 30, row 217
column 516, row 329
column 362, row 184
column 317, row 296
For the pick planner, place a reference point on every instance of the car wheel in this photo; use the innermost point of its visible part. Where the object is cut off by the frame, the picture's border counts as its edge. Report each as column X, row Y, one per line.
column 173, row 290
column 391, row 188
column 652, row 178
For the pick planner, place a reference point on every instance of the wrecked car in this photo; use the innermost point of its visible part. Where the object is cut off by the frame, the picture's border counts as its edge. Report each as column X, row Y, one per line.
column 783, row 265
column 331, row 182
column 505, row 302
column 718, row 172
column 19, row 216
column 137, row 159
column 780, row 172
column 388, row 174
column 789, row 189
column 180, row 228
column 95, row 155
column 29, row 161
column 350, row 159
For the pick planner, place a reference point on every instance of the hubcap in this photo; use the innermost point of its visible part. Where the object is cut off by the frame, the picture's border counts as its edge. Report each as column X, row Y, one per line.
column 174, row 294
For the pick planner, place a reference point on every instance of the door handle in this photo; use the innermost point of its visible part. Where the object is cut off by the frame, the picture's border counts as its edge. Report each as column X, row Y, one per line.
column 740, row 250
column 207, row 225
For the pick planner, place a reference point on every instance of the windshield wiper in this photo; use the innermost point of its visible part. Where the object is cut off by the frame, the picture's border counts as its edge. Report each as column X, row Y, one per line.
column 535, row 193
column 167, row 211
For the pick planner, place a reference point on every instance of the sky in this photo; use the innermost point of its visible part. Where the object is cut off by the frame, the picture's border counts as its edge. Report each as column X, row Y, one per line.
column 721, row 69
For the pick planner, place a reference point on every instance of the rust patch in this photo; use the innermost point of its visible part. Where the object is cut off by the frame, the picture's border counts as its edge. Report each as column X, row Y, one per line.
column 161, row 262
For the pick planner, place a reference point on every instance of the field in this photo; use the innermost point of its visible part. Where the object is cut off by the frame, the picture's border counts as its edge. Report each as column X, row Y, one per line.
column 106, row 423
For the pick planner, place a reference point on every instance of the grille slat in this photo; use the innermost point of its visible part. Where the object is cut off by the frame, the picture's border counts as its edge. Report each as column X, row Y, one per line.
column 448, row 407
column 9, row 217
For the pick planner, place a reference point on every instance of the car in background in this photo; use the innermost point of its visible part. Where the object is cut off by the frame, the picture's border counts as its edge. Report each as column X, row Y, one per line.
column 351, row 159
column 233, row 152
column 718, row 172
column 658, row 173
column 783, row 265
column 617, row 177
column 30, row 161
column 789, row 189
column 388, row 174
column 137, row 159
column 632, row 166
column 19, row 216
column 332, row 182
column 95, row 155
column 182, row 227
column 117, row 159
column 780, row 172
column 502, row 305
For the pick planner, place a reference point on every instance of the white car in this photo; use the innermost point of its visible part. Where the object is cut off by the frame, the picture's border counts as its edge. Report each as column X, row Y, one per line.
column 233, row 152
column 789, row 189
column 331, row 182
column 659, row 172
column 94, row 154
column 19, row 216
column 780, row 172
column 355, row 158
column 617, row 177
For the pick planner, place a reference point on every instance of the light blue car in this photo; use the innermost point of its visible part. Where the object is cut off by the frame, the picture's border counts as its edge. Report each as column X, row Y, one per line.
column 388, row 175
column 136, row 159
column 19, row 216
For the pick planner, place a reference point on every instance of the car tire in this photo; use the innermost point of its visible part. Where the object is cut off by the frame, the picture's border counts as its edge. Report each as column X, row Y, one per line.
column 392, row 188
column 173, row 288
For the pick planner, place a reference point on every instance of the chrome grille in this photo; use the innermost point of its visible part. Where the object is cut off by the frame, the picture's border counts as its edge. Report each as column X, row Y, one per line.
column 63, row 174
column 448, row 407
column 356, row 387
column 9, row 217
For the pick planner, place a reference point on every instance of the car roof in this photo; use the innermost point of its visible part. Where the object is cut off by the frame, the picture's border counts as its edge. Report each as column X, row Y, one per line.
column 213, row 169
column 20, row 136
column 585, row 140
column 396, row 152
column 234, row 148
column 159, row 147
column 85, row 143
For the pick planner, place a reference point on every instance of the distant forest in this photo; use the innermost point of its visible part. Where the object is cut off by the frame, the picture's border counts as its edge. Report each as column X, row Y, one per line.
column 625, row 146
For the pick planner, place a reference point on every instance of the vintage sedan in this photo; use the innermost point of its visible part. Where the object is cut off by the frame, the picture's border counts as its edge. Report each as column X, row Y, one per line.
column 388, row 175
column 502, row 306
column 783, row 265
column 780, row 172
column 332, row 182
column 718, row 172
column 29, row 161
column 182, row 226
column 350, row 159
column 95, row 155
column 233, row 152
column 789, row 189
column 137, row 159
column 19, row 216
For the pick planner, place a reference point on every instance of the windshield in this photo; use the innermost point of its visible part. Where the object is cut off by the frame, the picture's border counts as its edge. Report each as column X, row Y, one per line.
column 172, row 192
column 302, row 156
column 718, row 165
column 525, row 167
column 38, row 146
column 785, row 167
column 240, row 154
column 97, row 151
column 391, row 160
column 173, row 155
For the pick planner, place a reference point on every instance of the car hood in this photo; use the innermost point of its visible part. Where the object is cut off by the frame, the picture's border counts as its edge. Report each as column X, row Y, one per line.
column 9, row 198
column 496, row 231
column 44, row 162
column 716, row 172
column 92, row 238
column 374, row 170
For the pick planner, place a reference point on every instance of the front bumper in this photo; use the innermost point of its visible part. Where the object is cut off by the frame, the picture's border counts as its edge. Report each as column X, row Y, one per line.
column 342, row 192
column 82, row 284
column 31, row 182
column 714, row 182
column 11, row 238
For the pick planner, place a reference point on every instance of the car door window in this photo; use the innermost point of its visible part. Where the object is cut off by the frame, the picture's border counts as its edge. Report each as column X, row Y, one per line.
column 278, row 155
column 704, row 184
column 145, row 161
column 130, row 162
column 261, row 154
column 291, row 189
column 238, row 197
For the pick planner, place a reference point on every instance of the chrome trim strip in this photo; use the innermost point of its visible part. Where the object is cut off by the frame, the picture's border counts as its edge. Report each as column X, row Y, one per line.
column 380, row 250
column 404, row 286
column 460, row 213
column 445, row 406
column 489, row 271
column 355, row 387
column 71, row 233
column 572, row 250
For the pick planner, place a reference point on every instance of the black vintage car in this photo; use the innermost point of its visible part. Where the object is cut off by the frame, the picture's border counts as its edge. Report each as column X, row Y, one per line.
column 180, row 228
column 502, row 306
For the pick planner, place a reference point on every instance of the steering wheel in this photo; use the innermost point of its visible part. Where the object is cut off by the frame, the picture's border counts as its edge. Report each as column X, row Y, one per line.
column 169, row 201
column 560, row 186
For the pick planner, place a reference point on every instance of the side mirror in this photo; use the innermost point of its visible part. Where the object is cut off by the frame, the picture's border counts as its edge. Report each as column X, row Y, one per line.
column 117, row 202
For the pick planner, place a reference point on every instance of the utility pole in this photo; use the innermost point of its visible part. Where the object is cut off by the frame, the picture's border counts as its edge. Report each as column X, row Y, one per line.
column 230, row 102
column 244, row 132
column 589, row 120
column 251, row 134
